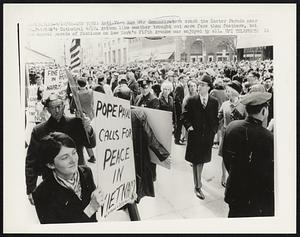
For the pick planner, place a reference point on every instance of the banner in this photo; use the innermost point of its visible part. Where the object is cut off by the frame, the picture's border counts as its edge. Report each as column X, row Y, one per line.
column 161, row 123
column 114, row 151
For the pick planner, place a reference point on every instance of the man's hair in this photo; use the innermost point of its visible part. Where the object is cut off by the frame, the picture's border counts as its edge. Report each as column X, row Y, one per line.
column 255, row 74
column 255, row 109
column 50, row 146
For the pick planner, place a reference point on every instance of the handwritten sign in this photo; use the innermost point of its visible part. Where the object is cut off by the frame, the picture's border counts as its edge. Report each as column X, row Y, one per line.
column 115, row 157
column 31, row 102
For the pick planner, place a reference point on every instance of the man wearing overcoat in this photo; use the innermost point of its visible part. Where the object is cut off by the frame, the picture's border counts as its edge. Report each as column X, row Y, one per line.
column 74, row 127
column 200, row 118
column 248, row 154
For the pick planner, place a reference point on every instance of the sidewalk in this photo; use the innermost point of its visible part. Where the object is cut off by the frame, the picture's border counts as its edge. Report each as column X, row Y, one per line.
column 174, row 192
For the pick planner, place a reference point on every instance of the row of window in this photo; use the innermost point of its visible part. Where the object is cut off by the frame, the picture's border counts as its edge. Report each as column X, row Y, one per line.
column 210, row 58
column 112, row 42
column 111, row 57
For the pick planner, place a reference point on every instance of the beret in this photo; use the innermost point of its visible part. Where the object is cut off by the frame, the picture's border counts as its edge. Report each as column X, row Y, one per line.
column 255, row 98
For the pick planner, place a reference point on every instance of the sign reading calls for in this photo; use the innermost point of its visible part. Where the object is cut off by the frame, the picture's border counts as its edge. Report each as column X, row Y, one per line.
column 115, row 157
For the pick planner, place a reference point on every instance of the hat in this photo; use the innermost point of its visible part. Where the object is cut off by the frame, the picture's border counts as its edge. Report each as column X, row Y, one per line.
column 257, row 88
column 226, row 79
column 143, row 82
column 123, row 92
column 255, row 98
column 207, row 79
column 100, row 77
column 235, row 85
column 122, row 78
column 81, row 82
column 50, row 97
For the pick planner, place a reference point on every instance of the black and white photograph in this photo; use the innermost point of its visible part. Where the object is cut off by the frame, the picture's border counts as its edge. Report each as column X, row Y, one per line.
column 159, row 122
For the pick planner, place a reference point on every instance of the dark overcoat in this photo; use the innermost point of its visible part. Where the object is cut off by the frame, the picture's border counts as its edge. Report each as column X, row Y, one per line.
column 57, row 204
column 248, row 154
column 205, row 124
column 73, row 127
column 143, row 137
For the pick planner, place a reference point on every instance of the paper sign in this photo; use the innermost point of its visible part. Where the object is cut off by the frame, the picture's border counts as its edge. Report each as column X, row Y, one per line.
column 115, row 157
column 52, row 81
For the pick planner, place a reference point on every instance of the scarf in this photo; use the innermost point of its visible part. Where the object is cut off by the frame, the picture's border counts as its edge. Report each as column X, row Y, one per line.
column 71, row 184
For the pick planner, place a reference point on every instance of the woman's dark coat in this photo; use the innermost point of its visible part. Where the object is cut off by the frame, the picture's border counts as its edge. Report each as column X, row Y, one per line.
column 57, row 204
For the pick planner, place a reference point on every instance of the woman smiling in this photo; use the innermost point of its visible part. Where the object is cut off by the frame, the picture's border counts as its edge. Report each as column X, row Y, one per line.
column 68, row 194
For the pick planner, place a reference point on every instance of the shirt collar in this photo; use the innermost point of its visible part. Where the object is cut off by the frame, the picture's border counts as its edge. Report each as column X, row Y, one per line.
column 255, row 121
column 204, row 97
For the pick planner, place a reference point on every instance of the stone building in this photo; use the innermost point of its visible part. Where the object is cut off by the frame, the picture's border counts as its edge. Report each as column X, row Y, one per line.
column 186, row 48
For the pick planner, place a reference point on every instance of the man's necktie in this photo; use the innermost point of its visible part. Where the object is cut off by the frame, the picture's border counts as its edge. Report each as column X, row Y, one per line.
column 204, row 103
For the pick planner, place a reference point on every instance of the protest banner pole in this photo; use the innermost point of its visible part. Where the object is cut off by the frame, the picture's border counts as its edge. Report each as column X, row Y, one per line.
column 73, row 87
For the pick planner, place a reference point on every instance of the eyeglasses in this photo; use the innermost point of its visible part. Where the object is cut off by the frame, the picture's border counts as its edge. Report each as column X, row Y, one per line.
column 203, row 84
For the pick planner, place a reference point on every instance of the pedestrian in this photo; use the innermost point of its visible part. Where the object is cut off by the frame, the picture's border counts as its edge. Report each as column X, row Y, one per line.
column 200, row 118
column 229, row 111
column 178, row 99
column 219, row 93
column 143, row 138
column 248, row 153
column 165, row 100
column 85, row 95
column 146, row 98
column 78, row 129
column 149, row 100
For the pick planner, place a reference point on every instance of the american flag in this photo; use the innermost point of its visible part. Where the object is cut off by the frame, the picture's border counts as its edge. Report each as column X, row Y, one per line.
column 75, row 54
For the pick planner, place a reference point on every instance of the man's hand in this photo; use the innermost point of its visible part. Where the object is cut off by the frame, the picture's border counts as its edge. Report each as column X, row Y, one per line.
column 30, row 198
column 168, row 161
column 133, row 198
column 190, row 128
column 87, row 123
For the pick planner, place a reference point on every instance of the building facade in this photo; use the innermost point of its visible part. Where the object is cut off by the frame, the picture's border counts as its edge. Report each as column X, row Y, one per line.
column 187, row 48
column 115, row 51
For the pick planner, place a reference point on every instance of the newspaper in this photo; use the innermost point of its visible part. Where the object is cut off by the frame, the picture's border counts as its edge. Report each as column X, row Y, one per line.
column 40, row 33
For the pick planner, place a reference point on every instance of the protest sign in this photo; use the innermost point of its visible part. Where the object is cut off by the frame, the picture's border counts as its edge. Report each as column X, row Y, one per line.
column 161, row 124
column 51, row 81
column 114, row 151
column 31, row 103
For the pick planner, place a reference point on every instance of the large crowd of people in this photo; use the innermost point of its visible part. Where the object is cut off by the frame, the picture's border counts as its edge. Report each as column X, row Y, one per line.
column 228, row 105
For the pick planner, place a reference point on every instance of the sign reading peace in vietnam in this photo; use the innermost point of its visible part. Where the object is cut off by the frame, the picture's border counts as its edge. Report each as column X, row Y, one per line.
column 115, row 157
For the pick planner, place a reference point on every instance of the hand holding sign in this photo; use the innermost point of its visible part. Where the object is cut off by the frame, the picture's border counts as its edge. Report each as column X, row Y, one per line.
column 86, row 123
column 97, row 199
column 168, row 161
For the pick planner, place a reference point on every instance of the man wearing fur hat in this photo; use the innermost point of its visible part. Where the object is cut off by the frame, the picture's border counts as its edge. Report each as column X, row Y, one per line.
column 248, row 154
column 200, row 118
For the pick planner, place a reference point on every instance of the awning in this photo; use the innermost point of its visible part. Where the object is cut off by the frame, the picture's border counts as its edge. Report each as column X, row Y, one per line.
column 33, row 56
column 255, row 40
column 140, row 57
column 162, row 56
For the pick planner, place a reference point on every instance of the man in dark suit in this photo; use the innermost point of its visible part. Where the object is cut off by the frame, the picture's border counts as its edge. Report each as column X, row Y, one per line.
column 178, row 98
column 76, row 128
column 149, row 100
column 200, row 118
column 238, row 77
column 268, row 82
column 146, row 98
column 248, row 154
